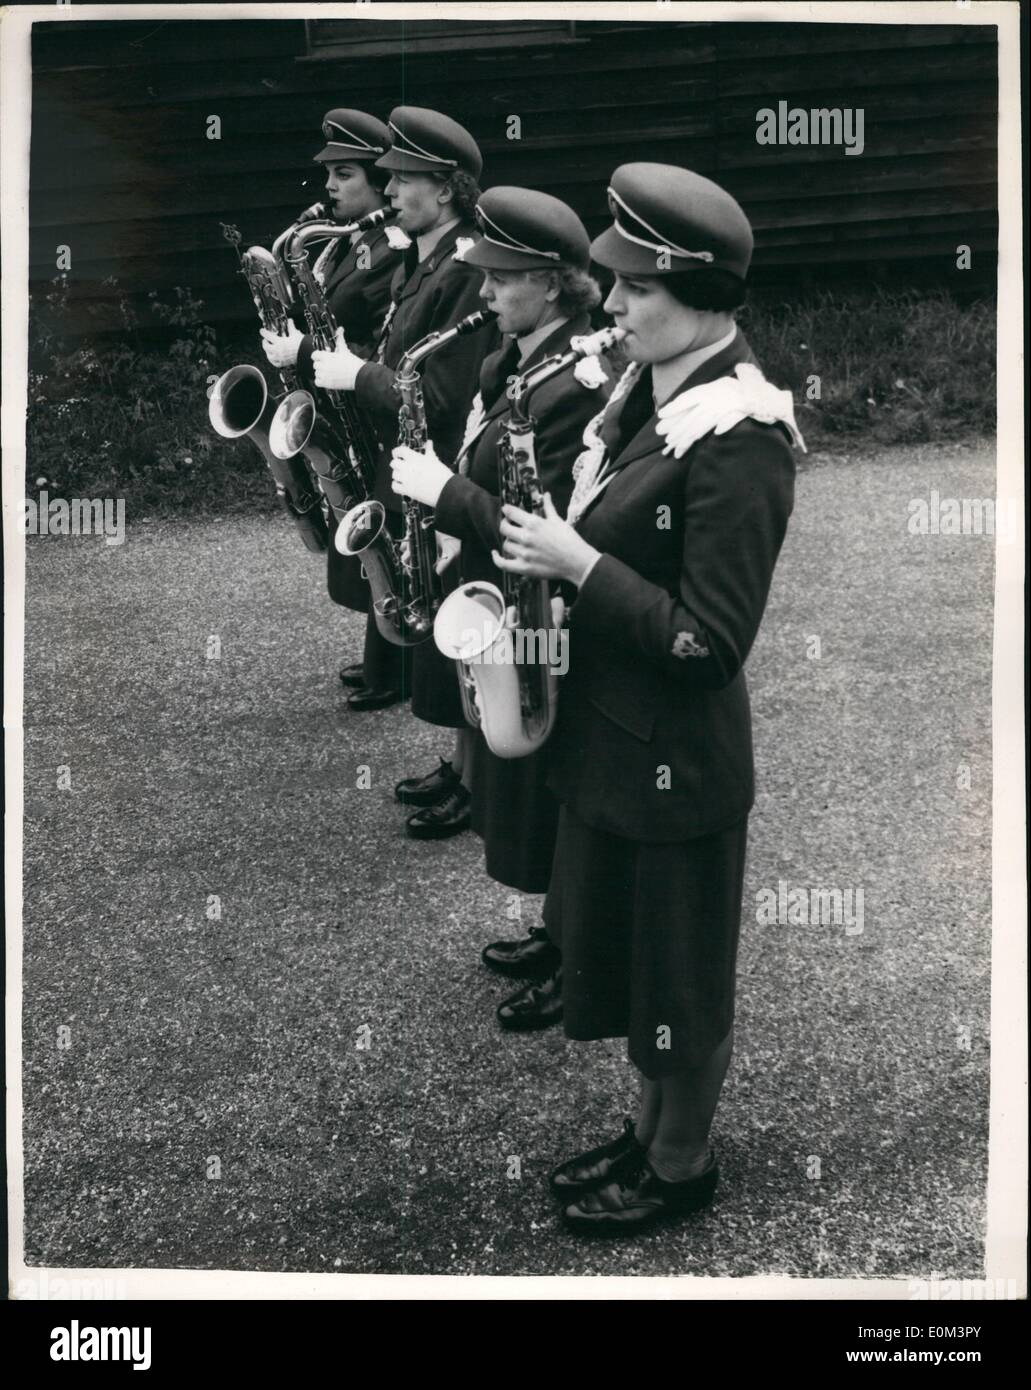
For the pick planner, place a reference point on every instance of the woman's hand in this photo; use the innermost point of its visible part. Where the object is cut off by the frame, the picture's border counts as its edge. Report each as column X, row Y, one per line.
column 337, row 370
column 543, row 547
column 282, row 349
column 419, row 476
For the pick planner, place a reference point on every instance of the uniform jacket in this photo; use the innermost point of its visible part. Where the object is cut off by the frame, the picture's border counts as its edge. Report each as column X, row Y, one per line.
column 653, row 737
column 435, row 295
column 358, row 294
column 469, row 506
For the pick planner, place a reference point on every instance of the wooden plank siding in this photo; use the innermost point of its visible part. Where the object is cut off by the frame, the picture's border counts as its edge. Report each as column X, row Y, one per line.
column 121, row 170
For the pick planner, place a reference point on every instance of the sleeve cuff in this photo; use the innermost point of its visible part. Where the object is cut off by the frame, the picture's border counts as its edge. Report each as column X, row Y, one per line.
column 587, row 572
column 453, row 502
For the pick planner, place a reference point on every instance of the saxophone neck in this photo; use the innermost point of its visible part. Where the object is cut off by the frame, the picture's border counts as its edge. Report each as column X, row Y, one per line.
column 440, row 338
column 587, row 345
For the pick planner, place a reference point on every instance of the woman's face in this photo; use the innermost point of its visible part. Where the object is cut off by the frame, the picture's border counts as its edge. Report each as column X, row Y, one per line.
column 657, row 325
column 518, row 297
column 349, row 192
column 417, row 198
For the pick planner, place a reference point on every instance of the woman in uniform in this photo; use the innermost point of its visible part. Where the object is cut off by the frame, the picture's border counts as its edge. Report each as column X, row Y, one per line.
column 680, row 506
column 355, row 274
column 534, row 253
column 434, row 164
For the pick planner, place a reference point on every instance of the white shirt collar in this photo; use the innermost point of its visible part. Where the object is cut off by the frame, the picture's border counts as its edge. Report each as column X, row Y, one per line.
column 668, row 375
column 426, row 241
column 530, row 342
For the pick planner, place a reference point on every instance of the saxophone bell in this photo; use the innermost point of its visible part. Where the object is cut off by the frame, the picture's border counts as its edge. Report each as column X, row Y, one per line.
column 238, row 401
column 474, row 628
column 292, row 425
column 240, row 406
column 362, row 533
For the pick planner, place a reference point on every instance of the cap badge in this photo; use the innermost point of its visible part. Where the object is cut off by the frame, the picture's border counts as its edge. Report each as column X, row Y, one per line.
column 340, row 135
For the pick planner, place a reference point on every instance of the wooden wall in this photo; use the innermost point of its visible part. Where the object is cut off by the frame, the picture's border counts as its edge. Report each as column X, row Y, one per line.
column 123, row 174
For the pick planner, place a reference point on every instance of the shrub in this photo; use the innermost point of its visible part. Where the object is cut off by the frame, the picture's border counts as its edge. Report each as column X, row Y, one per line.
column 894, row 367
column 124, row 418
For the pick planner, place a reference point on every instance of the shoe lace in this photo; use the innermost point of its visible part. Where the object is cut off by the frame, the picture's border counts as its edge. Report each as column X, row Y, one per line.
column 447, row 807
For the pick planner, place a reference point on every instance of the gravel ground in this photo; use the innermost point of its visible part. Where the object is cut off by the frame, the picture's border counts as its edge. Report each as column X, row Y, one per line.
column 853, row 1129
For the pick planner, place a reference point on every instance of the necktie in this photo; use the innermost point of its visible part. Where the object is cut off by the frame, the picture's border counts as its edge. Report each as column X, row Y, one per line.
column 410, row 259
column 639, row 408
column 495, row 378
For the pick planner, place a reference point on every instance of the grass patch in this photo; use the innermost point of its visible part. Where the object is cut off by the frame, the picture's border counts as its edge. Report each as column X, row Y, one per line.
column 127, row 418
column 891, row 367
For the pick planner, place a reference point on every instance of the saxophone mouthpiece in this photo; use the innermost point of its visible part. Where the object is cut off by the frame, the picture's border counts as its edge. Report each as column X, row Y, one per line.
column 375, row 219
column 592, row 344
column 313, row 214
column 472, row 322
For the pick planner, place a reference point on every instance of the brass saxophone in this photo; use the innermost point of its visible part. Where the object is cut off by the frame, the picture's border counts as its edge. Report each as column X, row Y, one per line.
column 336, row 436
column 501, row 638
column 239, row 402
column 425, row 590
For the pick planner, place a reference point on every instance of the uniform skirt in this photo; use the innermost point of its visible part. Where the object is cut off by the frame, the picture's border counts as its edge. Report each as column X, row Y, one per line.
column 436, row 697
column 514, row 814
column 648, row 935
column 344, row 577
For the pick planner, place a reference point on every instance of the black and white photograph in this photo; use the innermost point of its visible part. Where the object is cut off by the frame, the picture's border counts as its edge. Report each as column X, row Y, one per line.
column 514, row 655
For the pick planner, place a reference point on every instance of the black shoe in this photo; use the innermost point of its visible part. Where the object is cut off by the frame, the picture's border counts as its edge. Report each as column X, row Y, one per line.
column 638, row 1199
column 596, row 1167
column 443, row 819
column 428, row 790
column 537, row 1006
column 365, row 697
column 353, row 675
column 530, row 959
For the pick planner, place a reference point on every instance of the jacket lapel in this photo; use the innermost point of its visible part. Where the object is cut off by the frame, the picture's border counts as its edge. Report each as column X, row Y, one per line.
column 444, row 250
column 647, row 440
column 347, row 263
column 556, row 342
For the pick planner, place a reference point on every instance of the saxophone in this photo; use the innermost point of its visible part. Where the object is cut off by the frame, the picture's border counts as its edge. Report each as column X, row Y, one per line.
column 337, row 438
column 425, row 590
column 501, row 638
column 239, row 402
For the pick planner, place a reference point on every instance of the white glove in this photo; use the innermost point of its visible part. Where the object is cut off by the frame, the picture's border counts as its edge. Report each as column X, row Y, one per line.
column 337, row 370
column 419, row 476
column 720, row 405
column 282, row 349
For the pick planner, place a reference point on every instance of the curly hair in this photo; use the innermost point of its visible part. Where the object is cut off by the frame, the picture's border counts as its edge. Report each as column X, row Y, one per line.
column 578, row 292
column 465, row 192
column 706, row 288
